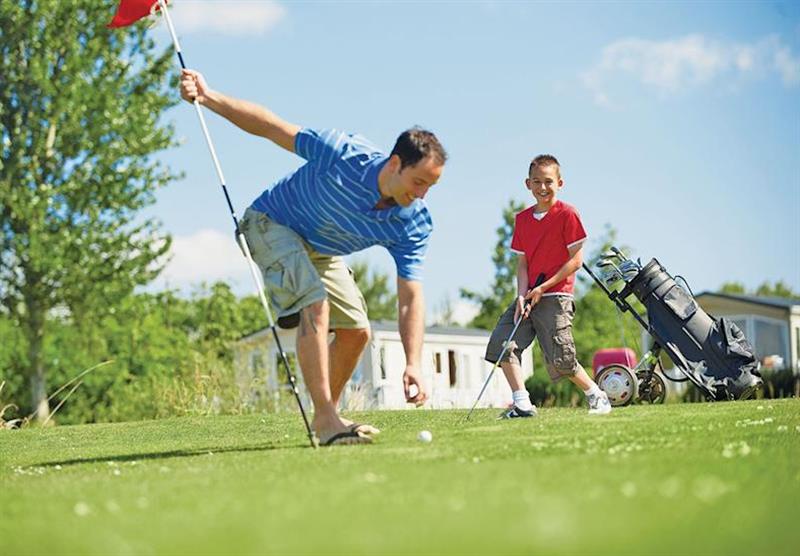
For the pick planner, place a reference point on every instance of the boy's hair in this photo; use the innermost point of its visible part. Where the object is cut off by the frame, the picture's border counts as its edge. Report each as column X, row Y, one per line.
column 544, row 160
column 415, row 144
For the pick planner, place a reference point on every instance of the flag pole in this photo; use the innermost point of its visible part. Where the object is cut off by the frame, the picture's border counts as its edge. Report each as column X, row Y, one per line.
column 254, row 271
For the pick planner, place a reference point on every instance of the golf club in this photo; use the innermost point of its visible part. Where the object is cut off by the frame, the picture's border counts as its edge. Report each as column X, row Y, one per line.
column 618, row 253
column 506, row 344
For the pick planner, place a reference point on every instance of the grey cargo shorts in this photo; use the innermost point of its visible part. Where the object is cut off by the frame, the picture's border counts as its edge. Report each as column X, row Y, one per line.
column 551, row 322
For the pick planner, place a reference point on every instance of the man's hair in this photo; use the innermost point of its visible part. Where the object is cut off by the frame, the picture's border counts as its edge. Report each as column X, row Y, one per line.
column 415, row 144
column 544, row 160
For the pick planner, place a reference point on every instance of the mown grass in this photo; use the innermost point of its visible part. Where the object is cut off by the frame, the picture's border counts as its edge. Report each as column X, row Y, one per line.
column 676, row 479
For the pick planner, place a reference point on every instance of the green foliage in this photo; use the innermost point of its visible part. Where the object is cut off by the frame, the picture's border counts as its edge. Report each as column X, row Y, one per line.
column 80, row 117
column 169, row 356
column 734, row 288
column 381, row 300
column 504, row 287
column 779, row 289
column 766, row 289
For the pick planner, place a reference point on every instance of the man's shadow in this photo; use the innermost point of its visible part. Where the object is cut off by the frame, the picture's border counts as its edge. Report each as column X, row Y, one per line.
column 122, row 458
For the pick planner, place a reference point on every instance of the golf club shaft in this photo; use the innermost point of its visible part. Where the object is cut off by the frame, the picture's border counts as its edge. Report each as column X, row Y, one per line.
column 526, row 306
column 254, row 271
column 494, row 367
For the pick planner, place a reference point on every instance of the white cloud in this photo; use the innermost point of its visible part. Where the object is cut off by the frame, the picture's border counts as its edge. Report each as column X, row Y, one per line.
column 206, row 255
column 229, row 17
column 460, row 312
column 680, row 64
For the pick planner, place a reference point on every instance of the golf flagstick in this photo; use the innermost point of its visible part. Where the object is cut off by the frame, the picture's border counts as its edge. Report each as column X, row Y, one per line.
column 507, row 344
column 254, row 271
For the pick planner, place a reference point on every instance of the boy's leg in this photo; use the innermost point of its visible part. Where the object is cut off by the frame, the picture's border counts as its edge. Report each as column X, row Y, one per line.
column 552, row 319
column 510, row 363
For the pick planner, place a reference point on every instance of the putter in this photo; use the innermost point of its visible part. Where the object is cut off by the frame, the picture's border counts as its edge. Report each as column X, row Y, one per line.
column 525, row 309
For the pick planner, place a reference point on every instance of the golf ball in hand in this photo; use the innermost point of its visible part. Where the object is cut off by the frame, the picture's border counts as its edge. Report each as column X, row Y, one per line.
column 424, row 436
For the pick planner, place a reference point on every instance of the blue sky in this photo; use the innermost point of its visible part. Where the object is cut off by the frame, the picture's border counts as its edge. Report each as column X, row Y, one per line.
column 676, row 123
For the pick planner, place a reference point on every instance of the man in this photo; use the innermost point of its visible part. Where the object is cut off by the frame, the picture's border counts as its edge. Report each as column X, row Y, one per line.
column 347, row 197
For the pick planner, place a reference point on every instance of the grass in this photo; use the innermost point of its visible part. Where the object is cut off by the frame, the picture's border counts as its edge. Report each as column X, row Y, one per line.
column 675, row 479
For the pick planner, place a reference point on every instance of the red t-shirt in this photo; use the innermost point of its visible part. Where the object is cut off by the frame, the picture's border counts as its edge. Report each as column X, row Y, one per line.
column 545, row 242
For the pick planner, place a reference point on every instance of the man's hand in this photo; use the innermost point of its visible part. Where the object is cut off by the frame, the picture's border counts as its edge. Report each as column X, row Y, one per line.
column 413, row 386
column 193, row 86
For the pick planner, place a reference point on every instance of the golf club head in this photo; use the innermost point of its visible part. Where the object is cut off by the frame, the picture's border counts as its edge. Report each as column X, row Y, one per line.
column 618, row 253
column 610, row 276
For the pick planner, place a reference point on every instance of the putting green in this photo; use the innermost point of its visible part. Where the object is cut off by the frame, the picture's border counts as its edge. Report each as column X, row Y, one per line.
column 689, row 479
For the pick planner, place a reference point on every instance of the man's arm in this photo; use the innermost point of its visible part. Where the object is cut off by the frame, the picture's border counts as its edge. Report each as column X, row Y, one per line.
column 247, row 115
column 570, row 267
column 411, row 321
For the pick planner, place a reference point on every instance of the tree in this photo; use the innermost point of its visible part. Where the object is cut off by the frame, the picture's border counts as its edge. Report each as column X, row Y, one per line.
column 504, row 288
column 734, row 288
column 80, row 109
column 780, row 289
column 381, row 301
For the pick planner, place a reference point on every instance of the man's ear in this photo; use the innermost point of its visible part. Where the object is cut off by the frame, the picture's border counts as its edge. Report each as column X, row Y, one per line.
column 394, row 163
column 528, row 183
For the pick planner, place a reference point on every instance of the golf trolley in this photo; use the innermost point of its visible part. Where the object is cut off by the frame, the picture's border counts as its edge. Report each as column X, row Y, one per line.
column 712, row 354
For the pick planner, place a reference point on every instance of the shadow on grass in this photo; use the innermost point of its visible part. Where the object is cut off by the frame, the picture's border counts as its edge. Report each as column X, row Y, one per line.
column 167, row 455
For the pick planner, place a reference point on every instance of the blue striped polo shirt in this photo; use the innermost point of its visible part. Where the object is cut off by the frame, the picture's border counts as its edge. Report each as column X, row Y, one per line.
column 329, row 202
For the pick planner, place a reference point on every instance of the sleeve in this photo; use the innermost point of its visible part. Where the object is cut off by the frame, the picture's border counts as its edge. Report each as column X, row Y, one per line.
column 517, row 245
column 409, row 257
column 574, row 233
column 320, row 147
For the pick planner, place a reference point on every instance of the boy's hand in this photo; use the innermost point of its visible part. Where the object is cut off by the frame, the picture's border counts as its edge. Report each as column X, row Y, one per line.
column 534, row 295
column 521, row 311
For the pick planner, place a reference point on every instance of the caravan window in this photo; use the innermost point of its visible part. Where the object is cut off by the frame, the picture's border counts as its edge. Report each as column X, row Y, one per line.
column 451, row 362
column 768, row 336
column 437, row 361
column 383, row 363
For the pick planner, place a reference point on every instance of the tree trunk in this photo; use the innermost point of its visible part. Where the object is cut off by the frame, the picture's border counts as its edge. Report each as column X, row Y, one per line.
column 35, row 333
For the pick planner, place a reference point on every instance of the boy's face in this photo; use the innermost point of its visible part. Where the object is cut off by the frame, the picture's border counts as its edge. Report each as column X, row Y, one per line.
column 544, row 182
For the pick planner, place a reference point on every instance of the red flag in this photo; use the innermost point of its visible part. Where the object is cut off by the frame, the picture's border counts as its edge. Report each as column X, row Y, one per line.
column 131, row 11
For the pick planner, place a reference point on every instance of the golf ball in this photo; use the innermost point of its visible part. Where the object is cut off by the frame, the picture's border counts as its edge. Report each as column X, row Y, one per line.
column 424, row 436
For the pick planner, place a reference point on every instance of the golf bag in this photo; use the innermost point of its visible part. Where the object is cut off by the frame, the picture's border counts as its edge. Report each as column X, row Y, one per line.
column 712, row 353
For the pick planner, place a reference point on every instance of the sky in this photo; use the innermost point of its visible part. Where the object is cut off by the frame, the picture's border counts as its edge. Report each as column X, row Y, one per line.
column 676, row 123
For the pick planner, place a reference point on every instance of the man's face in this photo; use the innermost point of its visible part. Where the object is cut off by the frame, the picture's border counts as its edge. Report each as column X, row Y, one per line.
column 544, row 182
column 413, row 182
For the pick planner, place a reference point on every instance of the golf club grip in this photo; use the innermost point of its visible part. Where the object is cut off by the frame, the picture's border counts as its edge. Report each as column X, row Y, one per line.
column 539, row 280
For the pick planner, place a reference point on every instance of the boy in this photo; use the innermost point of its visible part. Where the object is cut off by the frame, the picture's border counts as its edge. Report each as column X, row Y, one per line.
column 548, row 238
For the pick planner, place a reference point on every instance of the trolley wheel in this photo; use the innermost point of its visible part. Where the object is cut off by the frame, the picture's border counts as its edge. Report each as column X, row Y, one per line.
column 652, row 388
column 619, row 384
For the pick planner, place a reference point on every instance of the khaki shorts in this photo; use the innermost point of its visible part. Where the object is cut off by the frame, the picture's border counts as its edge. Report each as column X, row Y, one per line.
column 295, row 276
column 551, row 322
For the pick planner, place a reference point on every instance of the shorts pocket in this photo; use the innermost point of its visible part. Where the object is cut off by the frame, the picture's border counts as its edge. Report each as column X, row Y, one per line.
column 564, row 356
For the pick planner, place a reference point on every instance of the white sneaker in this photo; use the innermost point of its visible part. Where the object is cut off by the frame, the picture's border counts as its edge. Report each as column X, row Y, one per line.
column 599, row 404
